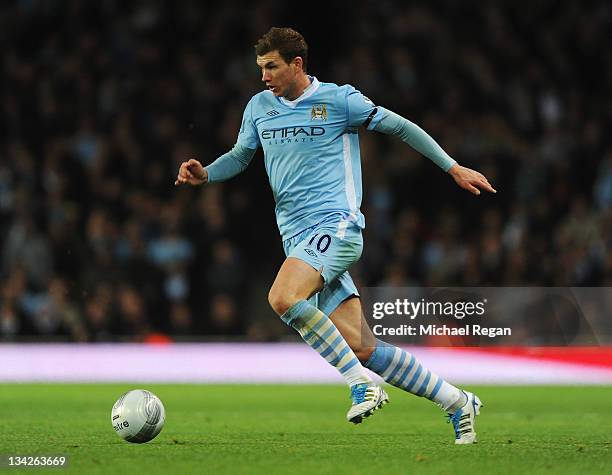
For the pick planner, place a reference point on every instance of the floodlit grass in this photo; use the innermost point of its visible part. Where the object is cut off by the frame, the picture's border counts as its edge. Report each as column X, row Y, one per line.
column 302, row 429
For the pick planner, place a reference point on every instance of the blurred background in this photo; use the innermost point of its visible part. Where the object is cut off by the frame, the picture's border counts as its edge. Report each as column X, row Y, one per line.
column 101, row 101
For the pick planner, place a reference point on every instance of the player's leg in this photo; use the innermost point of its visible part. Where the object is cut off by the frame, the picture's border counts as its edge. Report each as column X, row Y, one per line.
column 295, row 283
column 314, row 259
column 394, row 365
column 403, row 370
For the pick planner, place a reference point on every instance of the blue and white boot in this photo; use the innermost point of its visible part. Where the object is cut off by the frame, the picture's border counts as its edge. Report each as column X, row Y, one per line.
column 366, row 399
column 463, row 420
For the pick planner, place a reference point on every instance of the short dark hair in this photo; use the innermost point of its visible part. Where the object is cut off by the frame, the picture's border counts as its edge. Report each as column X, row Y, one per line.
column 287, row 41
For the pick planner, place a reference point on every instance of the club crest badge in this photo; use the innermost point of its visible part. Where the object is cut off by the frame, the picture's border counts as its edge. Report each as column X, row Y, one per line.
column 319, row 112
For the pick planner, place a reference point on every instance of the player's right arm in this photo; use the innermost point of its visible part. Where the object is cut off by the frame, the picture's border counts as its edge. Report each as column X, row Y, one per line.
column 228, row 165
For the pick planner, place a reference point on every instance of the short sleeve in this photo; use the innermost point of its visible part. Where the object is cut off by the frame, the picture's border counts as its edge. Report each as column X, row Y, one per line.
column 248, row 136
column 361, row 110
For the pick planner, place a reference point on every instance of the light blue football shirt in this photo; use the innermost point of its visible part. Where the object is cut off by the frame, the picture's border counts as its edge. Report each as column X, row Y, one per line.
column 311, row 152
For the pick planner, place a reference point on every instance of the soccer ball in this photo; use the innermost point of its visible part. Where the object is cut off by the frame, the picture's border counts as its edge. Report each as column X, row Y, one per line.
column 138, row 416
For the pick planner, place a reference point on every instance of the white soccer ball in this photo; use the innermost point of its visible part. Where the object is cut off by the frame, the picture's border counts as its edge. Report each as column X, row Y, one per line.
column 138, row 416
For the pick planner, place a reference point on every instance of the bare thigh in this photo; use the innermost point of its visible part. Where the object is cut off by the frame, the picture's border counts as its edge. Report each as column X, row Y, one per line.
column 296, row 280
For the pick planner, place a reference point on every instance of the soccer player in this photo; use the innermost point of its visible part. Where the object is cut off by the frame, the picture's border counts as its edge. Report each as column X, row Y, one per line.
column 309, row 134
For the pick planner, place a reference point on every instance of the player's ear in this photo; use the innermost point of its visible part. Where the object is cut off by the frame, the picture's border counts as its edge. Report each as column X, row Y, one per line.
column 298, row 63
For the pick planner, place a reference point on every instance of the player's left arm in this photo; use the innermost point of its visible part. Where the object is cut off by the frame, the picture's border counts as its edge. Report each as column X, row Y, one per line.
column 362, row 112
column 394, row 124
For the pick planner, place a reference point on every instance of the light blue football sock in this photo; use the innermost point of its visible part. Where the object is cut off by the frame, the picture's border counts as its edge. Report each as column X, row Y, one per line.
column 322, row 335
column 403, row 370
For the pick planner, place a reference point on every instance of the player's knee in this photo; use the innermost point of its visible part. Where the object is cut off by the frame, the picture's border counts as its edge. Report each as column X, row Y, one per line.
column 280, row 301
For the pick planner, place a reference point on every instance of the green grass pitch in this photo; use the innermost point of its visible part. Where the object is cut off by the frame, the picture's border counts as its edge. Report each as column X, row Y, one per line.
column 301, row 429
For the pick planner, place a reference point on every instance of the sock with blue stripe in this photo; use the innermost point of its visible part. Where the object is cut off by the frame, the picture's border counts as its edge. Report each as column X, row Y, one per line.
column 322, row 335
column 403, row 370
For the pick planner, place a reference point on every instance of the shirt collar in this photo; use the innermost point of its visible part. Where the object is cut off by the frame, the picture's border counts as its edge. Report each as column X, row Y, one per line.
column 309, row 91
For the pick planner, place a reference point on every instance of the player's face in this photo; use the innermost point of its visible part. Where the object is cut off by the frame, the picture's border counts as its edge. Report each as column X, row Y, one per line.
column 280, row 77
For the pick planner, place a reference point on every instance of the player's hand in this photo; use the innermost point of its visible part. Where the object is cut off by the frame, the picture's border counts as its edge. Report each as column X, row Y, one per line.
column 470, row 180
column 192, row 173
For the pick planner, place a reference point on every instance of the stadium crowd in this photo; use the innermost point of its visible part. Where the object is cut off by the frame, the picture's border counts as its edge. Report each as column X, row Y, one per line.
column 102, row 100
